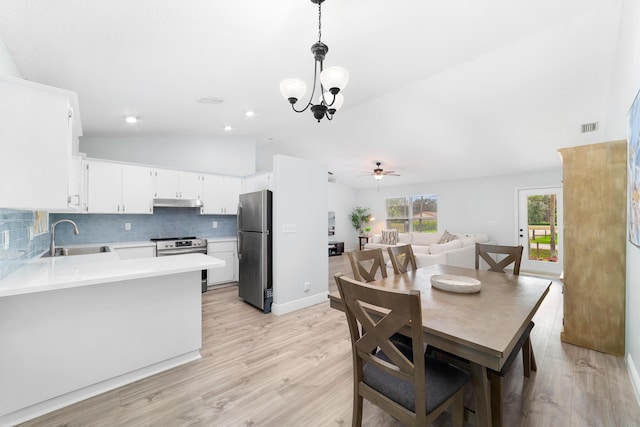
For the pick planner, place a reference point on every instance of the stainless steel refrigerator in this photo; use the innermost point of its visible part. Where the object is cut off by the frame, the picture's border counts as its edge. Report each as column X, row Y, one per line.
column 254, row 249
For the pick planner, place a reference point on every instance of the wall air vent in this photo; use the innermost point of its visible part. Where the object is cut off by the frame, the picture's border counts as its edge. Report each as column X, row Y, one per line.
column 589, row 127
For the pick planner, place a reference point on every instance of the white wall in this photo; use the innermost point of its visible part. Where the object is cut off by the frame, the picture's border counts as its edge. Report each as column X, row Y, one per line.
column 482, row 205
column 341, row 201
column 226, row 156
column 7, row 65
column 625, row 83
column 299, row 199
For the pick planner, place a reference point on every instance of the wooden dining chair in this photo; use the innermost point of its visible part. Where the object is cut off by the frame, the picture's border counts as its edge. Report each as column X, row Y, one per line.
column 510, row 255
column 402, row 258
column 366, row 264
column 491, row 253
column 413, row 388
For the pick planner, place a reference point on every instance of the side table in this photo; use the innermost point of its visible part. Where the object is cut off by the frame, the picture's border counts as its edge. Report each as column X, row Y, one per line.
column 361, row 239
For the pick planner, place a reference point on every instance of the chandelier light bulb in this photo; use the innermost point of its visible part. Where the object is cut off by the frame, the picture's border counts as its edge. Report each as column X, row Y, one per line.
column 337, row 102
column 293, row 89
column 334, row 78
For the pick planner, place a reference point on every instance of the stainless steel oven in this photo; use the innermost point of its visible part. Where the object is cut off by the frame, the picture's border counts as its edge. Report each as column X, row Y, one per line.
column 168, row 246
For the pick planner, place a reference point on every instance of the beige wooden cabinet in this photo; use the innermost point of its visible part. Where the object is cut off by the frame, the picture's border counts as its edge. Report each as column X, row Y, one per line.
column 595, row 215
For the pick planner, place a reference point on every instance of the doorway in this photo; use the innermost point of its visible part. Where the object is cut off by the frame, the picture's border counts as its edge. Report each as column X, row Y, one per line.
column 540, row 229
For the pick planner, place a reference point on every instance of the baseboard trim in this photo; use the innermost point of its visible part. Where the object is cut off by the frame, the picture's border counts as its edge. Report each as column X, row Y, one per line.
column 633, row 375
column 42, row 408
column 299, row 304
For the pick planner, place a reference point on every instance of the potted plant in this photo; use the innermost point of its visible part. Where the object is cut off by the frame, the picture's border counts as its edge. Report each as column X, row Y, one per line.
column 360, row 216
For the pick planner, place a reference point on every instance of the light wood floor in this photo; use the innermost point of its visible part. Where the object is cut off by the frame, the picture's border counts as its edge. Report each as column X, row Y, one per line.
column 295, row 370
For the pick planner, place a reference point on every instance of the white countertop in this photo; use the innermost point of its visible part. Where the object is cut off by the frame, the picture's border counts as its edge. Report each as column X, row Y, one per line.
column 48, row 274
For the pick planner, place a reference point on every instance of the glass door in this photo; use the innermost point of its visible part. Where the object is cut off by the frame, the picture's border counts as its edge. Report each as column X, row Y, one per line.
column 539, row 229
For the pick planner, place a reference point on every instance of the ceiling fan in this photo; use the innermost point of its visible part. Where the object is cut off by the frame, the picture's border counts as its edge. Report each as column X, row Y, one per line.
column 379, row 173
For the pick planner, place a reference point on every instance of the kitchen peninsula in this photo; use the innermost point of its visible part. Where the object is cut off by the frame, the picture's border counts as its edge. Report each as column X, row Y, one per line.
column 76, row 326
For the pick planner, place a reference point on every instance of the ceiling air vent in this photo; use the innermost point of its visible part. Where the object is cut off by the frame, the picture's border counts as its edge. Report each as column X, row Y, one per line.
column 211, row 100
column 589, row 127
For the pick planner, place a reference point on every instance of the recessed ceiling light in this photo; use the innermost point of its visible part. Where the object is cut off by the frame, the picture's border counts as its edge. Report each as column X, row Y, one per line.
column 250, row 113
column 228, row 128
column 131, row 119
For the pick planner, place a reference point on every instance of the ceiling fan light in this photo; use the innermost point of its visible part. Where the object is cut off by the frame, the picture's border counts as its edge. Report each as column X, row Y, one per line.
column 379, row 176
column 293, row 89
column 334, row 78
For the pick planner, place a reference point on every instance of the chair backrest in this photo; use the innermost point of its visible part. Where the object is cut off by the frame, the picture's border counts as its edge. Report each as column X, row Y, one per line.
column 368, row 334
column 402, row 258
column 513, row 255
column 366, row 264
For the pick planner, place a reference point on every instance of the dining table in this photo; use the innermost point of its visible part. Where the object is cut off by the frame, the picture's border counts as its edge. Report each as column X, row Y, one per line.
column 482, row 327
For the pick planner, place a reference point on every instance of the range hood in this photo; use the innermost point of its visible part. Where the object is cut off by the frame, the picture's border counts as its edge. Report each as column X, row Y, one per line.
column 177, row 203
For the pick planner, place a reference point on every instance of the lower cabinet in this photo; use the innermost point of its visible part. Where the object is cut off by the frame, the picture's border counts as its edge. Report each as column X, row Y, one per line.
column 228, row 252
column 132, row 252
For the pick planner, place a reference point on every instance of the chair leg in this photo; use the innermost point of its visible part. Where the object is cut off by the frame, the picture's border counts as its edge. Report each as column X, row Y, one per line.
column 357, row 410
column 457, row 410
column 496, row 381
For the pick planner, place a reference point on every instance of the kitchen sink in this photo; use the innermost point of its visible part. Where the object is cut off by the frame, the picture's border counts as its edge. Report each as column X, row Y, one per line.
column 79, row 250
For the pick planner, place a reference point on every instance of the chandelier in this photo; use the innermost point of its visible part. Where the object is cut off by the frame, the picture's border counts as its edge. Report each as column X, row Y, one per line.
column 332, row 81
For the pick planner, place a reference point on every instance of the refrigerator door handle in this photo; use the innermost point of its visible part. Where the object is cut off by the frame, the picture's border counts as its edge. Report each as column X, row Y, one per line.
column 238, row 246
column 239, row 217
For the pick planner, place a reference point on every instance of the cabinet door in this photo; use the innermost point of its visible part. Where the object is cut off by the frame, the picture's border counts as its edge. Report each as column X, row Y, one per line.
column 136, row 190
column 212, row 194
column 37, row 143
column 104, row 187
column 167, row 184
column 222, row 274
column 136, row 252
column 231, row 192
column 190, row 185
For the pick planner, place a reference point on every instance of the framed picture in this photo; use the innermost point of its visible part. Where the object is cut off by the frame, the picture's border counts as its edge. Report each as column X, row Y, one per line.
column 633, row 172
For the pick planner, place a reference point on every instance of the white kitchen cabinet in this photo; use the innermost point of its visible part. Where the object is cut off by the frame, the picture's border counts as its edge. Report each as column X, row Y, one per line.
column 228, row 252
column 117, row 188
column 258, row 182
column 220, row 194
column 133, row 252
column 39, row 123
column 174, row 184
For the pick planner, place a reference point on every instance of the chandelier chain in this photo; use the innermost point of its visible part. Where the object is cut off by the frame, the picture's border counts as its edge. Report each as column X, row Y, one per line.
column 319, row 21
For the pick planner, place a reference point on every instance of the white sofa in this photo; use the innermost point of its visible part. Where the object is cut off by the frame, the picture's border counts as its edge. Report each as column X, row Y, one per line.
column 459, row 252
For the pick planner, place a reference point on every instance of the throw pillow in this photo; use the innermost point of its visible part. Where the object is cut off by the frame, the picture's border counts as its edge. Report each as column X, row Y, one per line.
column 389, row 237
column 447, row 237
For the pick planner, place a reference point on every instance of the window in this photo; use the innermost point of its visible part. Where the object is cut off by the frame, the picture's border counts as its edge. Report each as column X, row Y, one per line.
column 418, row 214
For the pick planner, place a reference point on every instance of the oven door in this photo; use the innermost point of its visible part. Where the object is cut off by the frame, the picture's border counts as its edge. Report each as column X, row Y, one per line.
column 183, row 251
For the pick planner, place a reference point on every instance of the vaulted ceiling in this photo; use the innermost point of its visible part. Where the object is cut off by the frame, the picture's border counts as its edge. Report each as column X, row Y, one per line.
column 438, row 89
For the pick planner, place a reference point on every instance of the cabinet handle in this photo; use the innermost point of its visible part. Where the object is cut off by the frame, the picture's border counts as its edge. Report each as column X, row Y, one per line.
column 123, row 208
column 118, row 208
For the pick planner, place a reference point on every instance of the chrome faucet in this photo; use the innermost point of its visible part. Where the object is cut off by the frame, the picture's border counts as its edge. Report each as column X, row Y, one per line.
column 52, row 248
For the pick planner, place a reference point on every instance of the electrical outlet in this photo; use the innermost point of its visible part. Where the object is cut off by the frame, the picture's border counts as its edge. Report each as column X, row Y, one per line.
column 307, row 286
column 127, row 226
column 214, row 224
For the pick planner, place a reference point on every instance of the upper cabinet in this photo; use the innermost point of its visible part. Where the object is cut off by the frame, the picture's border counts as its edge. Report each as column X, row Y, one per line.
column 258, row 182
column 173, row 184
column 117, row 188
column 220, row 194
column 39, row 125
